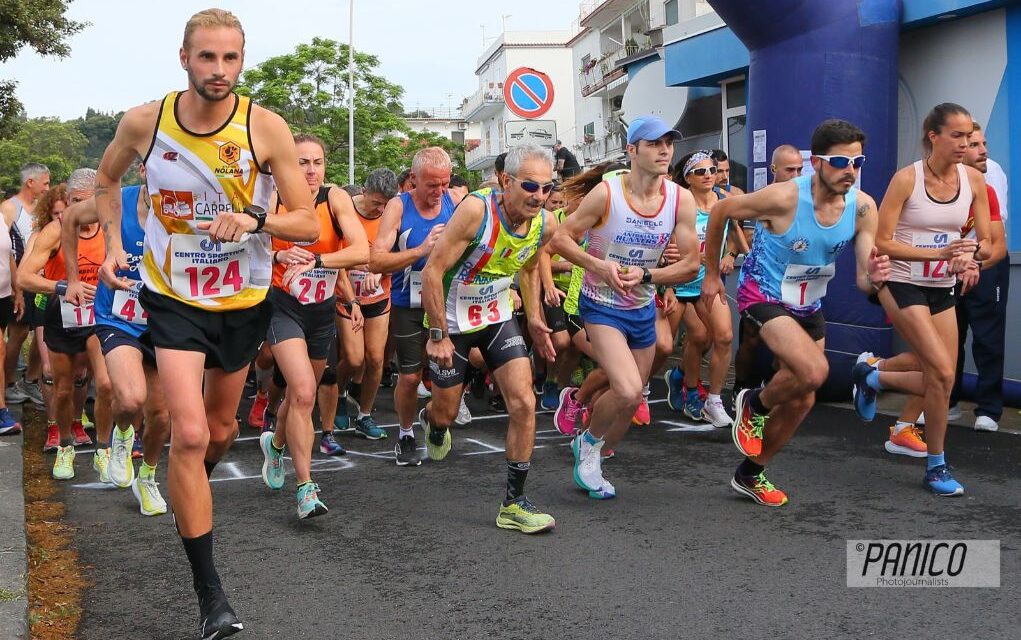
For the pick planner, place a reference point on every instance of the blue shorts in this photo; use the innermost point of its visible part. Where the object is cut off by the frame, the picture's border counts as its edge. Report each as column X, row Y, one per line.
column 111, row 337
column 637, row 325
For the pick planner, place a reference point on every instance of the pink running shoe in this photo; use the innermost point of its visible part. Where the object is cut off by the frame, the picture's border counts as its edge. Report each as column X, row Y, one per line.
column 642, row 416
column 568, row 410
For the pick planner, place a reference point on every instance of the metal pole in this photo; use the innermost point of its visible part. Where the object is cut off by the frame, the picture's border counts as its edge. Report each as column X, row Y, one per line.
column 351, row 95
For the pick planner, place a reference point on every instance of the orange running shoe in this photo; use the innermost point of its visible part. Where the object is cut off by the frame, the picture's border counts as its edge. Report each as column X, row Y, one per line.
column 908, row 442
column 642, row 415
column 759, row 489
column 257, row 416
column 748, row 427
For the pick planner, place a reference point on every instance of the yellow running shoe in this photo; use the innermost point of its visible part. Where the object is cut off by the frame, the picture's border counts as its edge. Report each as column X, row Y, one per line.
column 86, row 423
column 147, row 492
column 63, row 466
column 525, row 517
column 437, row 442
column 101, row 463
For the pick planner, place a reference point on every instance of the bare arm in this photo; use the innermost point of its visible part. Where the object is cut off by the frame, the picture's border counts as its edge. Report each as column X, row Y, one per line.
column 980, row 211
column 872, row 269
column 277, row 150
column 588, row 215
column 84, row 212
column 770, row 205
column 451, row 244
column 528, row 282
column 901, row 186
column 43, row 245
column 382, row 256
column 8, row 210
column 357, row 251
column 686, row 239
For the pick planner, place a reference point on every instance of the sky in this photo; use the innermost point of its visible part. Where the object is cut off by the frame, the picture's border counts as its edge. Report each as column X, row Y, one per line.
column 129, row 55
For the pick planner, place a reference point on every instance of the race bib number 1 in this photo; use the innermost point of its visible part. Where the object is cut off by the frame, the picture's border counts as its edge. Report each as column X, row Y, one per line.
column 358, row 284
column 803, row 285
column 127, row 308
column 314, row 286
column 933, row 270
column 415, row 282
column 481, row 305
column 74, row 317
column 202, row 269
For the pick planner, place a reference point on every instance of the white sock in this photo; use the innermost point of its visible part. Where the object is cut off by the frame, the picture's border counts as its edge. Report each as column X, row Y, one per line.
column 713, row 397
column 900, row 426
column 646, row 391
column 362, row 415
column 406, row 433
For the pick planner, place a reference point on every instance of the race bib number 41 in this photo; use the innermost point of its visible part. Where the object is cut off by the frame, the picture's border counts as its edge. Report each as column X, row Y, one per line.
column 203, row 269
column 933, row 270
column 803, row 285
column 73, row 317
column 415, row 282
column 314, row 286
column 481, row 305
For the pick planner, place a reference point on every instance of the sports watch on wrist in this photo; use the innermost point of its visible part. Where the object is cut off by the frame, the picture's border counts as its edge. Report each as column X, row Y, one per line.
column 259, row 214
column 646, row 275
column 436, row 334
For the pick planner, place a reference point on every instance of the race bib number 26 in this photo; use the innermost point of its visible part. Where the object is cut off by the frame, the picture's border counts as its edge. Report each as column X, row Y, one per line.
column 314, row 286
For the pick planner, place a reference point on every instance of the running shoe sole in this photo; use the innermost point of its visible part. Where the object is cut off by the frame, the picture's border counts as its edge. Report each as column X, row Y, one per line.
column 560, row 409
column 735, row 427
column 263, row 444
column 596, row 494
column 514, row 525
column 745, row 491
column 319, row 510
column 225, row 632
column 904, row 451
column 141, row 509
column 369, row 437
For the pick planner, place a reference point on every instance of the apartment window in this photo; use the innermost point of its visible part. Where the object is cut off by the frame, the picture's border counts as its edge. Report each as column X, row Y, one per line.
column 735, row 138
column 671, row 12
column 590, row 132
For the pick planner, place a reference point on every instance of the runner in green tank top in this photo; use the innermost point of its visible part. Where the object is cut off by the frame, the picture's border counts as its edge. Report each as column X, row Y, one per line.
column 466, row 294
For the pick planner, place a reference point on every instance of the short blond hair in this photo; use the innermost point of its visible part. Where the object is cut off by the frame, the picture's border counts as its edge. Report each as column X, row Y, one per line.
column 212, row 18
column 435, row 157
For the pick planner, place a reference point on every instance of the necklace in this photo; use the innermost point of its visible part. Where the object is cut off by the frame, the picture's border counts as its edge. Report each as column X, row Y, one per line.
column 934, row 174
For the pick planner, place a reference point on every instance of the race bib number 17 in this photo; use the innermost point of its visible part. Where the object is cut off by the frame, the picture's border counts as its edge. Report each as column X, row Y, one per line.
column 73, row 317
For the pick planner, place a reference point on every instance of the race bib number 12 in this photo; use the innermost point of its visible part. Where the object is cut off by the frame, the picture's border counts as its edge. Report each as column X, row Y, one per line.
column 932, row 270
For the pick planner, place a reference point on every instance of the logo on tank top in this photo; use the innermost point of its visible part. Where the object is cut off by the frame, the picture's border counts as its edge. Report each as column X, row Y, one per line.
column 799, row 245
column 837, row 248
column 177, row 204
column 229, row 154
column 170, row 156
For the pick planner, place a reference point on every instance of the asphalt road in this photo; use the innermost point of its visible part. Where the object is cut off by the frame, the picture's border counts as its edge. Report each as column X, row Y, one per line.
column 414, row 552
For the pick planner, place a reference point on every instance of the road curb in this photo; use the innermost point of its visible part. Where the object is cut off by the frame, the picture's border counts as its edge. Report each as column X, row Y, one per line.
column 13, row 549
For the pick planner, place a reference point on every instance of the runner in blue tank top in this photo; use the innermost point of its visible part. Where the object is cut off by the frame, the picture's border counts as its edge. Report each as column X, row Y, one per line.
column 120, row 321
column 803, row 225
column 410, row 226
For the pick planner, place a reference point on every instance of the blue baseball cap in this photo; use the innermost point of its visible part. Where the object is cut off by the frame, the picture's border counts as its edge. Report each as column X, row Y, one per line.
column 649, row 127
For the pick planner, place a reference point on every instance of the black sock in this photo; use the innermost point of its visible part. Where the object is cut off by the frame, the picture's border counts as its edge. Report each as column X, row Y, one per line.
column 516, row 474
column 210, row 466
column 755, row 402
column 749, row 469
column 200, row 554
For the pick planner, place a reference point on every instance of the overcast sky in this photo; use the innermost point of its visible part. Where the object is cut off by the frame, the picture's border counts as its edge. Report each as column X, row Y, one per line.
column 129, row 54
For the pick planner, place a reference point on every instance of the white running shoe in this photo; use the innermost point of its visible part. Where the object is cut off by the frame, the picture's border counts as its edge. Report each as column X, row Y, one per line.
column 121, row 470
column 985, row 423
column 588, row 472
column 464, row 416
column 953, row 413
column 715, row 414
column 147, row 492
column 423, row 393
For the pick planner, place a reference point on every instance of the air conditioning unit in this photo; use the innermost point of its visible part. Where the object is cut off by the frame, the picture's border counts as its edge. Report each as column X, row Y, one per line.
column 616, row 102
column 463, row 126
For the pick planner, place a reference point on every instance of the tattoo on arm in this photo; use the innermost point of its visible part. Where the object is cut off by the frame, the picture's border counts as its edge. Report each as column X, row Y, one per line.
column 862, row 210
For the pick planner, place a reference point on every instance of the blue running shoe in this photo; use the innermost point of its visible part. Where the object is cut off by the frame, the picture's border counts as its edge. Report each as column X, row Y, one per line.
column 367, row 428
column 693, row 404
column 273, row 462
column 328, row 445
column 550, row 399
column 309, row 504
column 674, row 393
column 8, row 425
column 941, row 480
column 342, row 423
column 864, row 395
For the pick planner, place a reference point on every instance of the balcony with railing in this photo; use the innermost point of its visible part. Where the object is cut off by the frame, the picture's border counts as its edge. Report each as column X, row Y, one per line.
column 484, row 103
column 603, row 71
column 609, row 146
column 482, row 156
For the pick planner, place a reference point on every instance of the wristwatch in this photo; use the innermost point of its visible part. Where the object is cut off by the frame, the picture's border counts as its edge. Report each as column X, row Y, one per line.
column 646, row 275
column 318, row 264
column 436, row 334
column 259, row 214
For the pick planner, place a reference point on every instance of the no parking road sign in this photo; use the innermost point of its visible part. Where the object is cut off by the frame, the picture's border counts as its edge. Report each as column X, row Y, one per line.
column 529, row 93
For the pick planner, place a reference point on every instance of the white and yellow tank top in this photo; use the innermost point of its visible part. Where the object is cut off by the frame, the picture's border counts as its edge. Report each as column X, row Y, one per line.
column 191, row 178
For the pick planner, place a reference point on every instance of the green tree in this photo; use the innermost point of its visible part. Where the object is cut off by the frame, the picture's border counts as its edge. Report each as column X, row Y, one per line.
column 309, row 89
column 58, row 145
column 98, row 129
column 39, row 24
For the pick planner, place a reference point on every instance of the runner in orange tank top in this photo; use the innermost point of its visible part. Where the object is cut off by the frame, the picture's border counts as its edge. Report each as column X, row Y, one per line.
column 69, row 330
column 302, row 331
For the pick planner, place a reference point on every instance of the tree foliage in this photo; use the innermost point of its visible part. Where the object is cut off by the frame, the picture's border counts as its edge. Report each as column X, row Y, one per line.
column 41, row 25
column 309, row 89
column 98, row 129
column 59, row 145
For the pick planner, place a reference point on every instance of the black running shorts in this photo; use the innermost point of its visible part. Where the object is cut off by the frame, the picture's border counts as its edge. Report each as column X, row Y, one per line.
column 499, row 344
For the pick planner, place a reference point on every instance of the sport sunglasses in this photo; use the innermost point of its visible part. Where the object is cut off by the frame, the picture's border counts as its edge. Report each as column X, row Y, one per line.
column 841, row 162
